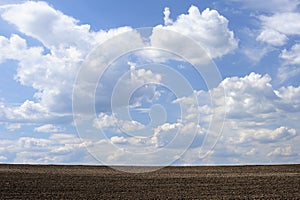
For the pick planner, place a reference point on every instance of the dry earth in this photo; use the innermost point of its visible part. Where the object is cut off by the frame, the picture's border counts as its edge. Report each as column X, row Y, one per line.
column 95, row 182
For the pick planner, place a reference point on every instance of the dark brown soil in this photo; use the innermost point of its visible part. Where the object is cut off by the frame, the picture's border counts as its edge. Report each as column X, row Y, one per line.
column 94, row 182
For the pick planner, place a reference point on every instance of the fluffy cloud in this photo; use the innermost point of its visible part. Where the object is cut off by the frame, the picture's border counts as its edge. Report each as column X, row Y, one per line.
column 260, row 122
column 243, row 95
column 15, row 47
column 276, row 30
column 29, row 111
column 270, row 6
column 13, row 126
column 257, row 116
column 58, row 148
column 48, row 128
column 209, row 29
column 266, row 135
column 277, row 27
column 51, row 74
column 290, row 98
column 272, row 37
column 283, row 151
column 179, row 135
column 256, row 113
column 292, row 56
column 287, row 20
column 251, row 97
column 50, row 26
column 165, row 133
column 287, row 72
column 254, row 99
column 140, row 83
column 290, row 67
column 110, row 122
column 117, row 140
column 3, row 158
column 167, row 19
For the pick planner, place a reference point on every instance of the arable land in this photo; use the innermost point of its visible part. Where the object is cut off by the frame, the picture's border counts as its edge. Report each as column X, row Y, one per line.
column 99, row 182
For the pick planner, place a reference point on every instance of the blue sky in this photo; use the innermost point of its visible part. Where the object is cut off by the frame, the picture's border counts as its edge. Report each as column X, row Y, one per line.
column 150, row 82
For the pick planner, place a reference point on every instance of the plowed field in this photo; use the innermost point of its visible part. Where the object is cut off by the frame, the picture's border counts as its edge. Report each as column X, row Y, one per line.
column 97, row 182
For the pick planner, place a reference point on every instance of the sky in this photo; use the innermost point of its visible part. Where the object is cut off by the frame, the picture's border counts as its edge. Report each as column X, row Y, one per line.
column 163, row 82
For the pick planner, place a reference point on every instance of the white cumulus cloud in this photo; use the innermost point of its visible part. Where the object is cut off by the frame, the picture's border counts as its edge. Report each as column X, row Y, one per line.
column 48, row 128
column 50, row 73
column 110, row 122
column 291, row 56
column 208, row 28
column 277, row 27
column 270, row 6
column 283, row 151
column 290, row 67
column 272, row 37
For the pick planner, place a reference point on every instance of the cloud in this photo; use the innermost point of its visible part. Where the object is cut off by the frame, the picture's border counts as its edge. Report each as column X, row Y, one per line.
column 15, row 48
column 209, row 29
column 32, row 143
column 246, row 97
column 179, row 136
column 110, row 122
column 287, row 72
column 252, row 102
column 287, row 20
column 253, row 109
column 290, row 98
column 118, row 140
column 243, row 95
column 51, row 73
column 270, row 6
column 3, row 158
column 41, row 21
column 256, row 52
column 57, row 148
column 272, row 37
column 260, row 119
column 48, row 128
column 276, row 28
column 28, row 110
column 283, row 151
column 167, row 19
column 290, row 67
column 257, row 113
column 267, row 136
column 13, row 126
column 165, row 133
column 291, row 56
column 141, row 82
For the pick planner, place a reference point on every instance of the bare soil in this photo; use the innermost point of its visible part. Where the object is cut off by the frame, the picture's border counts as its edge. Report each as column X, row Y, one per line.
column 97, row 182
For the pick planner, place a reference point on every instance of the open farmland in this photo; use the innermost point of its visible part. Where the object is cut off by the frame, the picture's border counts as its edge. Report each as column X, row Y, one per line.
column 95, row 182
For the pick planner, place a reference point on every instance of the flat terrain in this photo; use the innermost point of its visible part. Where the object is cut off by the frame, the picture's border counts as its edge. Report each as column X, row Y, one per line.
column 94, row 182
